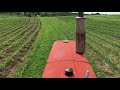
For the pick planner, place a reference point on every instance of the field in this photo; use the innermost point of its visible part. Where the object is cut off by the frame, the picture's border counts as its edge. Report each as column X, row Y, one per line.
column 16, row 39
column 25, row 43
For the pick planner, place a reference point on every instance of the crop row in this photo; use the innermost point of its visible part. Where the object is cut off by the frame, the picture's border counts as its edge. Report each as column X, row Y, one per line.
column 15, row 47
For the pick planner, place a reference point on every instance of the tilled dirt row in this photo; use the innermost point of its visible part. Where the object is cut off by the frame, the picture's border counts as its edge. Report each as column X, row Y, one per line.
column 5, row 72
column 15, row 39
column 15, row 31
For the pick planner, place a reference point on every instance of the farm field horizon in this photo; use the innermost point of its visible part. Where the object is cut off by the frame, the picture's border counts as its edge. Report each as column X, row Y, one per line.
column 25, row 43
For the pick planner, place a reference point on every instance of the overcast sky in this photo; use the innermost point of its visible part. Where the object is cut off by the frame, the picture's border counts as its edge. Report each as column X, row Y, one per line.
column 103, row 12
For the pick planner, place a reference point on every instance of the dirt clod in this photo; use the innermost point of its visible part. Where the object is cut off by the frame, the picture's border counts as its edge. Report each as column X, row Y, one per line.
column 1, row 58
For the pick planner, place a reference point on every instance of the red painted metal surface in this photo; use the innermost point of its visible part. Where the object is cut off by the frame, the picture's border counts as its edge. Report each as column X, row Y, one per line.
column 63, row 56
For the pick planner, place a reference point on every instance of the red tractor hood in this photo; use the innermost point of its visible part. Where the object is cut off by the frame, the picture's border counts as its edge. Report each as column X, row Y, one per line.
column 63, row 56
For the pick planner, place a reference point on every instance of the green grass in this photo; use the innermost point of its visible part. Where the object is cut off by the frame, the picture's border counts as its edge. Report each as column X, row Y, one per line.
column 50, row 31
column 102, row 44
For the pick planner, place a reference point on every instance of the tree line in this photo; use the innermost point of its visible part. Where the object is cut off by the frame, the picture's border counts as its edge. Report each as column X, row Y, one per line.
column 30, row 14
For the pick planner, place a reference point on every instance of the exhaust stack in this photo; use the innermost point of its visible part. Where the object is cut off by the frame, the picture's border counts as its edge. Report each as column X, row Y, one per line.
column 80, row 33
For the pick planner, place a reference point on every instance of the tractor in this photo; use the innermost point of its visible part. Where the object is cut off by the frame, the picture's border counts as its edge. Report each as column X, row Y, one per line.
column 67, row 58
